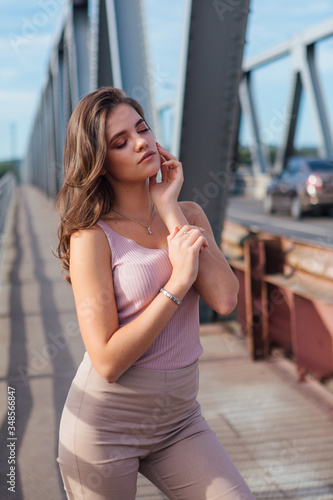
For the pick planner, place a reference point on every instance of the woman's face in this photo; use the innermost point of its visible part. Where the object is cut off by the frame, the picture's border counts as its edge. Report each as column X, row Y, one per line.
column 132, row 153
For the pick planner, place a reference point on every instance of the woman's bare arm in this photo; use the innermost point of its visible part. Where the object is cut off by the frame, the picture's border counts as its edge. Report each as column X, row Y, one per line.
column 215, row 282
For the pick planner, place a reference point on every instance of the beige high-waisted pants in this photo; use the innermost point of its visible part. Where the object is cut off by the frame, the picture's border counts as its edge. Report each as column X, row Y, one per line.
column 147, row 421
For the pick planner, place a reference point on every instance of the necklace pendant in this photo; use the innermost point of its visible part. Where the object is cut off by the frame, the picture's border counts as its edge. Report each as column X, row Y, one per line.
column 149, row 230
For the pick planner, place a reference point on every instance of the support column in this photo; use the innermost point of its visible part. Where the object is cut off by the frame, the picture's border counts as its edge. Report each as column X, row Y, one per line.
column 259, row 164
column 304, row 59
column 209, row 105
column 287, row 146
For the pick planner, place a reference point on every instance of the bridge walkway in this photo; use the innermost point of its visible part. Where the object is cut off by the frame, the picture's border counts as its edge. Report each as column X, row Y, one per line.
column 278, row 432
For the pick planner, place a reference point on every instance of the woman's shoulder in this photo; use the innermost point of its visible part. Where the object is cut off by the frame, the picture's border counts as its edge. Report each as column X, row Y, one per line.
column 89, row 240
column 90, row 260
column 191, row 210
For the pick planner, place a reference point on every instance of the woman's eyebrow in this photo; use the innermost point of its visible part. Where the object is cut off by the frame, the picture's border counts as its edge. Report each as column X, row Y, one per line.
column 124, row 131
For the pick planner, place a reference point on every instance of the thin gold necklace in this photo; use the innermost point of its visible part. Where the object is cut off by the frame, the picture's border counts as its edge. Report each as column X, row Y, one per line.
column 130, row 218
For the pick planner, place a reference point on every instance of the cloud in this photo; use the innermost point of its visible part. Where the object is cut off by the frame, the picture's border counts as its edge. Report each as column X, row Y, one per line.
column 19, row 44
column 24, row 17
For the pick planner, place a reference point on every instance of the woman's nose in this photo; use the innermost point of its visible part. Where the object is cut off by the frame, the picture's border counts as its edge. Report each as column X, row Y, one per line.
column 140, row 142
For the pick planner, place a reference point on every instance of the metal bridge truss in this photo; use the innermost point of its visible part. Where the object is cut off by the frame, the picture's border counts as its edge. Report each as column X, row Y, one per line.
column 100, row 43
column 301, row 48
column 103, row 42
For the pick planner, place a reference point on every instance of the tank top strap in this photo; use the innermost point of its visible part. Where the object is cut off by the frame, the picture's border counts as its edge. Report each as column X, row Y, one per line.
column 105, row 227
column 112, row 239
column 115, row 240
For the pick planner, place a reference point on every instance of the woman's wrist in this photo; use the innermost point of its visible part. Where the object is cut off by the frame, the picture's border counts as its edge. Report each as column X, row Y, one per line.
column 172, row 215
column 176, row 287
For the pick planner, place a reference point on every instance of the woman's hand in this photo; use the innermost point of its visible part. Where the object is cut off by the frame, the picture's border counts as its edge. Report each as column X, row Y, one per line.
column 185, row 244
column 167, row 191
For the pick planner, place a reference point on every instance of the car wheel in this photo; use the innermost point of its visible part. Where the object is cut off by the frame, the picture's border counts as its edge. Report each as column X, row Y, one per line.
column 296, row 208
column 269, row 204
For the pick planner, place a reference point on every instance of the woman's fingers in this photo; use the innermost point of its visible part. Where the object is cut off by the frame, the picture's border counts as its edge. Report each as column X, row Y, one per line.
column 195, row 235
column 190, row 234
column 199, row 244
column 174, row 232
column 164, row 172
column 152, row 180
column 165, row 153
column 187, row 228
column 162, row 158
column 172, row 164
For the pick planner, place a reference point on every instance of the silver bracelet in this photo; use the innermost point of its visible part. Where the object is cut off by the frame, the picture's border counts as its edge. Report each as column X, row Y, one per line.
column 170, row 296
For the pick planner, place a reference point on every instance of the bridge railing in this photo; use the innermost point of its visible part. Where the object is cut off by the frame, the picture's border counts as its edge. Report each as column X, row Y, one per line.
column 286, row 296
column 7, row 187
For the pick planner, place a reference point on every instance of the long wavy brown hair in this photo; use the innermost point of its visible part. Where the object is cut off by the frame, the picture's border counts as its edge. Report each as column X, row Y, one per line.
column 86, row 195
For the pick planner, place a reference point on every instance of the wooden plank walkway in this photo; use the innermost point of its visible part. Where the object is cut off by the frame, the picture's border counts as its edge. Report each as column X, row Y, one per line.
column 277, row 431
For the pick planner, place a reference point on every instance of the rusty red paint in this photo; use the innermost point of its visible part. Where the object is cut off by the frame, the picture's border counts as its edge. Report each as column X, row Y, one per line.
column 285, row 298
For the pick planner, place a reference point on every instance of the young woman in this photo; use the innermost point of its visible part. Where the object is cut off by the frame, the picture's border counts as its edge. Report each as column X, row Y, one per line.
column 138, row 260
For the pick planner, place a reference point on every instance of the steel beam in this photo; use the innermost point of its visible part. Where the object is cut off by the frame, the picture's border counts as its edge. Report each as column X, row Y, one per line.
column 209, row 104
column 287, row 146
column 81, row 46
column 67, row 100
column 136, row 71
column 307, row 37
column 320, row 109
column 246, row 97
column 76, row 41
column 303, row 59
column 106, row 51
column 210, row 99
column 178, row 119
column 58, row 110
column 302, row 50
column 122, row 53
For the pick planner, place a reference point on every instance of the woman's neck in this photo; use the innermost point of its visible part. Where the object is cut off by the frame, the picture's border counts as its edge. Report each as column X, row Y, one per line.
column 133, row 200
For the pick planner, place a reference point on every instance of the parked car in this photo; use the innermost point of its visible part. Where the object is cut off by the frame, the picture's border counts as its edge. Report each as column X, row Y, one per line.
column 303, row 185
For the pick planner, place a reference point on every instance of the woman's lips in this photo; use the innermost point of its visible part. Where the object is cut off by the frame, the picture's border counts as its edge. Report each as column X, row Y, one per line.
column 147, row 156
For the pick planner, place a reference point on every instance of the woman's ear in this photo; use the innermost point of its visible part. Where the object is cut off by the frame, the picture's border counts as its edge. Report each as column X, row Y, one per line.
column 103, row 171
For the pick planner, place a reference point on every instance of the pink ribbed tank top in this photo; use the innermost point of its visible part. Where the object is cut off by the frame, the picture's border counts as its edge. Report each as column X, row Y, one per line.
column 138, row 274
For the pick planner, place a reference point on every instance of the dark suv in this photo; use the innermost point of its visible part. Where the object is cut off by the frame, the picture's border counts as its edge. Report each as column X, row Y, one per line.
column 304, row 183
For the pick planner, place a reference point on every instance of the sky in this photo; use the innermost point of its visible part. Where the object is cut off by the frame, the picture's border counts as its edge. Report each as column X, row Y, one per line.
column 29, row 28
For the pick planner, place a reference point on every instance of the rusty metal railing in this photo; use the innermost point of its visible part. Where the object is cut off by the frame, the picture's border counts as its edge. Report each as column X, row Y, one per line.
column 286, row 296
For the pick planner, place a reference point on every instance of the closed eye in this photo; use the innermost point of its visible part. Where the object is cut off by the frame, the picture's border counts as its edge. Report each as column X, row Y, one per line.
column 124, row 143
